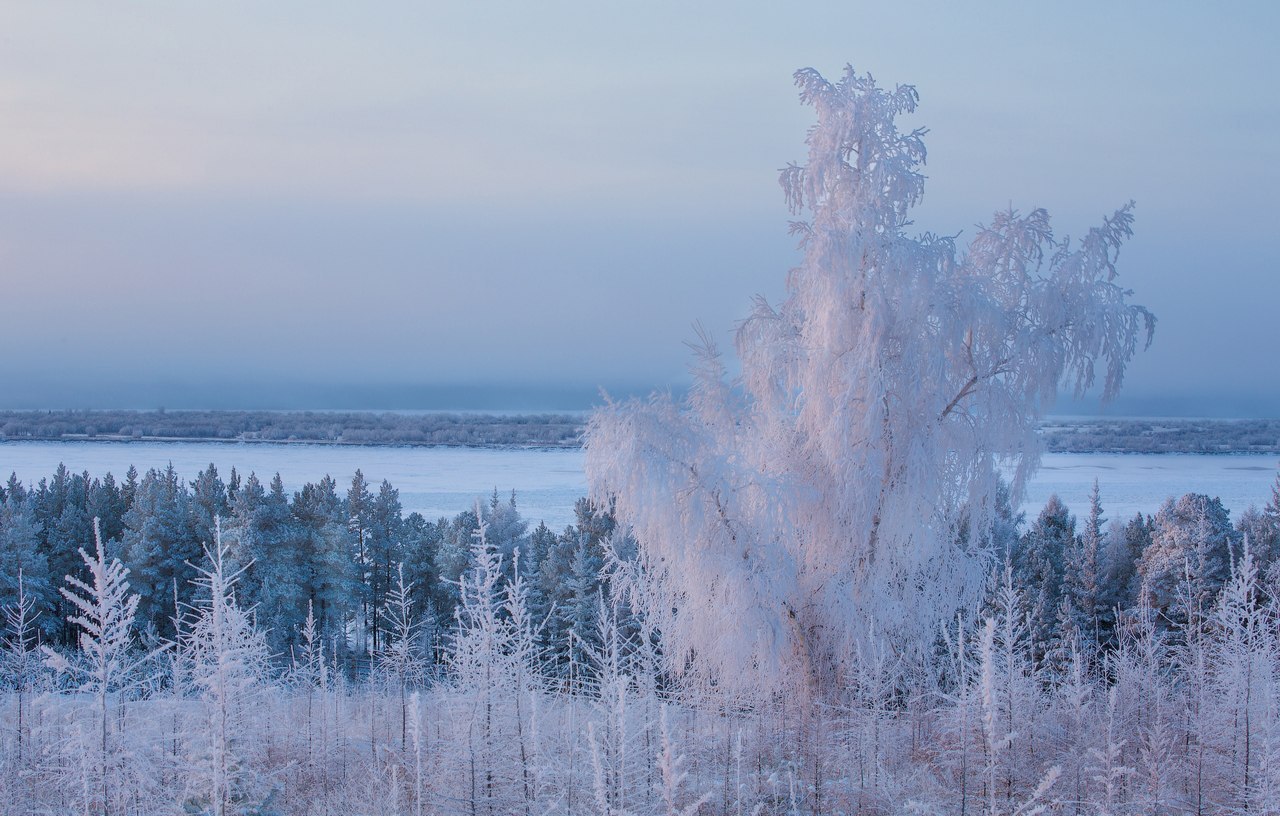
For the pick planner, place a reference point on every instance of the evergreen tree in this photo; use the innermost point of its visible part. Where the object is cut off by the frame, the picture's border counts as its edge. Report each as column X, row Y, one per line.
column 453, row 558
column 233, row 486
column 129, row 489
column 330, row 582
column 541, row 578
column 14, row 487
column 1038, row 566
column 507, row 530
column 1081, row 575
column 1118, row 587
column 21, row 559
column 48, row 501
column 159, row 547
column 422, row 540
column 386, row 550
column 1190, row 555
column 107, row 504
column 269, row 547
column 1263, row 536
column 1266, row 529
column 574, row 626
column 208, row 502
column 359, row 509
column 75, row 523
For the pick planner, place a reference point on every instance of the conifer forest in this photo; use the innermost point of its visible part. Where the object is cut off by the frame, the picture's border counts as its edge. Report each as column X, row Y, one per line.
column 802, row 587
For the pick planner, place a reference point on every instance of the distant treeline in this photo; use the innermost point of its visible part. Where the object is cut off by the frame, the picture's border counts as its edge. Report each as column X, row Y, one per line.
column 562, row 430
column 350, row 428
column 1162, row 436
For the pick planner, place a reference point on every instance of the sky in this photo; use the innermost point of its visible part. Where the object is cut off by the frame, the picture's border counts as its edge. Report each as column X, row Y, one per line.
column 470, row 205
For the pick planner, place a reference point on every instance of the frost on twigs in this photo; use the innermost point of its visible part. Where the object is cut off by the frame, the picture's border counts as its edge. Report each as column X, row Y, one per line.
column 780, row 510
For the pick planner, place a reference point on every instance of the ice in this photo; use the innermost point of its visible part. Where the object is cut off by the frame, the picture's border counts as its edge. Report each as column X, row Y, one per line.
column 445, row 481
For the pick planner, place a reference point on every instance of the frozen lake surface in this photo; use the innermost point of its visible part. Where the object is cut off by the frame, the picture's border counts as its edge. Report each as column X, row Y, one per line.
column 1130, row 483
column 444, row 481
column 432, row 481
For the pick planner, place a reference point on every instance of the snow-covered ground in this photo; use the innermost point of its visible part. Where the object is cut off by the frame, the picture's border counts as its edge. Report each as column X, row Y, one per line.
column 444, row 481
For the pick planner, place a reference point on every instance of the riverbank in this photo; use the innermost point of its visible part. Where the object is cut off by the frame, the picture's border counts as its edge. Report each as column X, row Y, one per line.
column 558, row 431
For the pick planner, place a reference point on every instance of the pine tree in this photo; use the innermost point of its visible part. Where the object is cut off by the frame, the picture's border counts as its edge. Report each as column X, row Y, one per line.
column 359, row 507
column 265, row 541
column 1038, row 568
column 1263, row 536
column 330, row 583
column 453, row 558
column 422, row 540
column 159, row 546
column 208, row 502
column 1124, row 553
column 386, row 551
column 20, row 555
column 107, row 503
column 1081, row 575
column 541, row 578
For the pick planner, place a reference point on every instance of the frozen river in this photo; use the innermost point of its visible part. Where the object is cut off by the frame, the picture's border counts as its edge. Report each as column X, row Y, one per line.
column 443, row 481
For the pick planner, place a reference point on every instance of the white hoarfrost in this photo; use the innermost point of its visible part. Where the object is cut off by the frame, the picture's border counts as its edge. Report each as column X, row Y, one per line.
column 779, row 512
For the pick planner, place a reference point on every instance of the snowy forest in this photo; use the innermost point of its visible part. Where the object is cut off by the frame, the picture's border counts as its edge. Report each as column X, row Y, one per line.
column 800, row 588
column 474, row 664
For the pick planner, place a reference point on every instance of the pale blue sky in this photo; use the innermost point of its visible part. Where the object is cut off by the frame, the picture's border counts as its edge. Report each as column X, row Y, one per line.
column 293, row 203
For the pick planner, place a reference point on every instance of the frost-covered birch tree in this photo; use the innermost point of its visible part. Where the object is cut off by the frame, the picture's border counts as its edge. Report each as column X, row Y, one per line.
column 780, row 510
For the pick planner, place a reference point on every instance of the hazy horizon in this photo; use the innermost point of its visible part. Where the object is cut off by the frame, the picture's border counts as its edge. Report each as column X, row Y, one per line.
column 438, row 206
column 517, row 398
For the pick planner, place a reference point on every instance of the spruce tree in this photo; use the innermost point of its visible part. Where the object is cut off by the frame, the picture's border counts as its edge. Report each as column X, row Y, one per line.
column 159, row 547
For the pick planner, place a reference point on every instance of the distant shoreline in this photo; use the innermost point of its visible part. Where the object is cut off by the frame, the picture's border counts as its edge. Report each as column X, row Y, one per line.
column 555, row 431
column 73, row 439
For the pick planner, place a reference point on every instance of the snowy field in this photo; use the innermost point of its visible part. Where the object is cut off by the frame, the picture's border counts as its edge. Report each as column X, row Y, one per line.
column 444, row 481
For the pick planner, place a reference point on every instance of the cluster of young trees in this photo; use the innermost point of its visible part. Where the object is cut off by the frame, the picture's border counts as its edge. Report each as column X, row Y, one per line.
column 335, row 552
column 1112, row 668
column 1081, row 580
